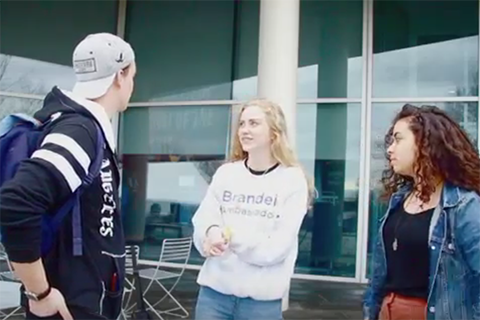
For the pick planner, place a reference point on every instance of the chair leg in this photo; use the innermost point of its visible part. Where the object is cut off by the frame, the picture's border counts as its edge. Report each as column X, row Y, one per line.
column 170, row 311
column 163, row 288
column 12, row 313
column 185, row 312
column 126, row 303
column 150, row 307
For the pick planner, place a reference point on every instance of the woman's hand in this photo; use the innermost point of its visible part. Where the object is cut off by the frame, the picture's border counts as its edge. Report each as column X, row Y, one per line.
column 216, row 242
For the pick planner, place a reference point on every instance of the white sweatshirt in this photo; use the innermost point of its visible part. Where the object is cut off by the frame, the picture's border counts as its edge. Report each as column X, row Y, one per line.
column 265, row 213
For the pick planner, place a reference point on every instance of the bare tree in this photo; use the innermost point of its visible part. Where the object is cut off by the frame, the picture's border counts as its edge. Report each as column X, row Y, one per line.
column 20, row 84
column 466, row 113
column 4, row 61
column 208, row 168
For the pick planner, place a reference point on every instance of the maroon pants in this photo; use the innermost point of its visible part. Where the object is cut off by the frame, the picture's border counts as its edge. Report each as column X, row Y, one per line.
column 396, row 307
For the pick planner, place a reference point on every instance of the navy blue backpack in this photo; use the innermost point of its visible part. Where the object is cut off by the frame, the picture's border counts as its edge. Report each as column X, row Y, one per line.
column 19, row 138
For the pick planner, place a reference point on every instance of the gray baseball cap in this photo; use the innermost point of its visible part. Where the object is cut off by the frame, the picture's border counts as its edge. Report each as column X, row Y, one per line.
column 96, row 61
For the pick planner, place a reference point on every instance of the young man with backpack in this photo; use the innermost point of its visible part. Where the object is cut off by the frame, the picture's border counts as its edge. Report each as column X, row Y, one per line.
column 59, row 208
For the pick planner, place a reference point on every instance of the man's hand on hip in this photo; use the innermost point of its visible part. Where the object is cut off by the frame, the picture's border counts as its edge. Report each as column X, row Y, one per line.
column 52, row 304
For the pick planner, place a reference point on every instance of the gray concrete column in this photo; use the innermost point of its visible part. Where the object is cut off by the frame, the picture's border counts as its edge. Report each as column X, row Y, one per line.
column 278, row 56
column 278, row 61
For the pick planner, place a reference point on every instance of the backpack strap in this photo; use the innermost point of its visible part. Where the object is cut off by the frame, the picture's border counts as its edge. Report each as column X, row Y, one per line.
column 73, row 203
column 92, row 174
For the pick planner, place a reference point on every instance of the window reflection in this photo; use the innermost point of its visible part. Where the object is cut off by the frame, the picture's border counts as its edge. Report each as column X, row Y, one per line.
column 165, row 206
column 24, row 75
column 37, row 41
column 203, row 50
column 169, row 155
column 328, row 144
column 425, row 48
column 330, row 55
column 9, row 105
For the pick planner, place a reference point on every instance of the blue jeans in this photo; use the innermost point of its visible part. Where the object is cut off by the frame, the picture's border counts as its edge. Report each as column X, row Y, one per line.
column 213, row 305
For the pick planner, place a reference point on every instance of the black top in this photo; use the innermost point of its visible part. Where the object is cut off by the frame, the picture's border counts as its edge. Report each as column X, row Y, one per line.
column 408, row 266
column 42, row 183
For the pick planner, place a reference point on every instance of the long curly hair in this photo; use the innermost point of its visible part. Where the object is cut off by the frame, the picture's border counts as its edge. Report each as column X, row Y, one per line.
column 444, row 150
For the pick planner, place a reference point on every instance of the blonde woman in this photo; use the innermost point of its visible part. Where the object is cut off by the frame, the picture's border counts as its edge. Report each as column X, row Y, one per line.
column 248, row 223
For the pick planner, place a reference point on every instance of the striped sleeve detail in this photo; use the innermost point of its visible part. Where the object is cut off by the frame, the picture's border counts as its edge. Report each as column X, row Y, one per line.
column 62, row 165
column 69, row 151
column 71, row 146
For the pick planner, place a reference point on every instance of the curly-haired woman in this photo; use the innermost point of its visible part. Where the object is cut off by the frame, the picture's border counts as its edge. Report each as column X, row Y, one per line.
column 427, row 256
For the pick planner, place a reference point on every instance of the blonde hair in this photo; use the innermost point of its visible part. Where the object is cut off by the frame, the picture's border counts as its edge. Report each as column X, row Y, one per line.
column 280, row 146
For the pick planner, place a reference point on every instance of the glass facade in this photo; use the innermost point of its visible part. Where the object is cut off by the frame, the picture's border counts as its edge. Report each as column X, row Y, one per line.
column 168, row 155
column 328, row 236
column 330, row 53
column 21, row 105
column 37, row 44
column 425, row 48
column 194, row 50
column 359, row 61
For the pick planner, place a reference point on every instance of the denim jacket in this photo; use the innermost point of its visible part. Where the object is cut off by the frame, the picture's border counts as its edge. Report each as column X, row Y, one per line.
column 454, row 241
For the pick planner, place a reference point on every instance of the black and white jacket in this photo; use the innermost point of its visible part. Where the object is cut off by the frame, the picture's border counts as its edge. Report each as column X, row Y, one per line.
column 45, row 181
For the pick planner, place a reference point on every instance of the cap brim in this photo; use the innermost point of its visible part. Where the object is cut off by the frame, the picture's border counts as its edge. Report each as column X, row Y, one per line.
column 93, row 89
